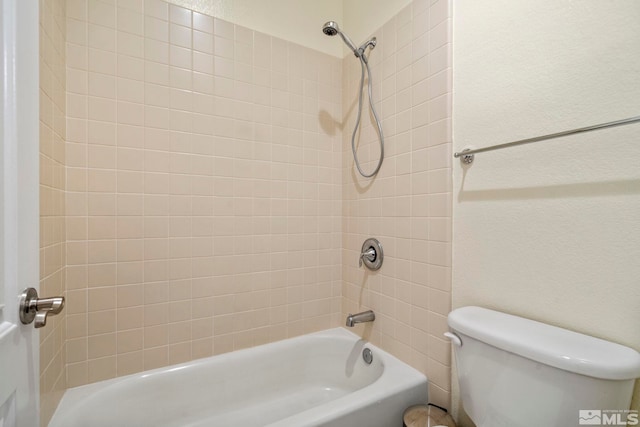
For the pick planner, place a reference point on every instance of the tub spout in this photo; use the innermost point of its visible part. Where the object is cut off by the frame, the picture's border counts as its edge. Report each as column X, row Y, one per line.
column 365, row 316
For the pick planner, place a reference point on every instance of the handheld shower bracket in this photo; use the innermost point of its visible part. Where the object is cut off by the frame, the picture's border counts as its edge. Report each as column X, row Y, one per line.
column 371, row 44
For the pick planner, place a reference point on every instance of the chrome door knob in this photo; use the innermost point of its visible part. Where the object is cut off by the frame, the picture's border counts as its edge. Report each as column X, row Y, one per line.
column 34, row 308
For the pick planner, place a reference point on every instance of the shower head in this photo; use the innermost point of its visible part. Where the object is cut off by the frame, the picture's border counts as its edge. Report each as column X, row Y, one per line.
column 331, row 28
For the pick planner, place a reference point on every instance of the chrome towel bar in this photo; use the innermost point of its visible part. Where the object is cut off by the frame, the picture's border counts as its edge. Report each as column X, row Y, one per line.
column 467, row 155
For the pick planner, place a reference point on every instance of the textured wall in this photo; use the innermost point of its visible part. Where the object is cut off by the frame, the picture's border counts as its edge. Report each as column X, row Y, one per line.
column 204, row 189
column 549, row 231
column 52, row 200
column 408, row 204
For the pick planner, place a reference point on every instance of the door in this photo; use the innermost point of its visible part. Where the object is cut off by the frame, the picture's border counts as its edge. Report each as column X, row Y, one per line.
column 19, row 212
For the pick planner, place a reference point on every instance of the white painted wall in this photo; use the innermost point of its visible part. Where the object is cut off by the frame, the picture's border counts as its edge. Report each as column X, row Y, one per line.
column 299, row 21
column 549, row 231
column 363, row 17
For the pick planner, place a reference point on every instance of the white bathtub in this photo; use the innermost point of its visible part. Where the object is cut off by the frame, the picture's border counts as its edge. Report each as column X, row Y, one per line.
column 319, row 379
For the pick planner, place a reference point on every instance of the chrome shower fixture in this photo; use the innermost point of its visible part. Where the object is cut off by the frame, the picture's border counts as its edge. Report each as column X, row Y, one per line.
column 331, row 28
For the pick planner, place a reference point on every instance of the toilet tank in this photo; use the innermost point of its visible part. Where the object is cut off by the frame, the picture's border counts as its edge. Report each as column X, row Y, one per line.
column 516, row 372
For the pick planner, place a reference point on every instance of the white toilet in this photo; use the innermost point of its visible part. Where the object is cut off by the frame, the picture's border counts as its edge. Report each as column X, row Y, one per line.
column 515, row 372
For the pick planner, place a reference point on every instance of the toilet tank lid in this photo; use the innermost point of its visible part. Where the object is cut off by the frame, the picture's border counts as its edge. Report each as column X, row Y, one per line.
column 553, row 346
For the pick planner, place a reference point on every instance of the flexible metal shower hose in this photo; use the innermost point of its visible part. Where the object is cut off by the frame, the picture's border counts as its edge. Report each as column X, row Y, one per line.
column 365, row 63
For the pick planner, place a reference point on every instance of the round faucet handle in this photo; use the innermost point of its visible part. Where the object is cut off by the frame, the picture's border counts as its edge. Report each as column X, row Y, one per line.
column 371, row 254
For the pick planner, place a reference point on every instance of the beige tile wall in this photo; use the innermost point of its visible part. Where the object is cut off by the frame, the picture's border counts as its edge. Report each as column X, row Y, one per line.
column 52, row 199
column 206, row 193
column 203, row 188
column 408, row 205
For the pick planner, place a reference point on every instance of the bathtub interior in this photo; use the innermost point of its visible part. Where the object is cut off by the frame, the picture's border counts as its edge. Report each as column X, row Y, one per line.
column 257, row 386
